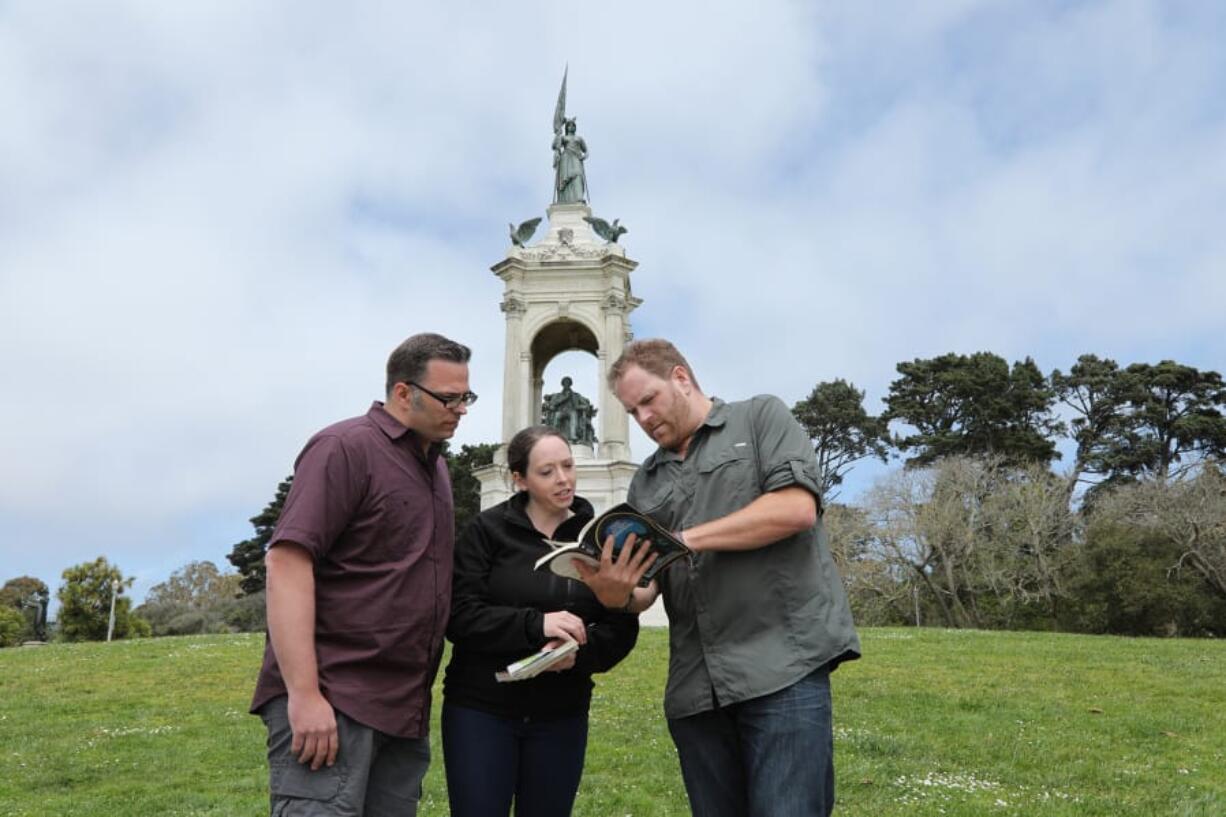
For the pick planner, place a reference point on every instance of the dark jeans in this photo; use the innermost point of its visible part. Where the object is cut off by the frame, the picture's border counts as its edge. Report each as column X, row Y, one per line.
column 490, row 760
column 375, row 775
column 770, row 756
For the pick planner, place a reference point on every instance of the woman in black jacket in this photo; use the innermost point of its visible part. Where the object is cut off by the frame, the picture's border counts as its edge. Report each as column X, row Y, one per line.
column 523, row 740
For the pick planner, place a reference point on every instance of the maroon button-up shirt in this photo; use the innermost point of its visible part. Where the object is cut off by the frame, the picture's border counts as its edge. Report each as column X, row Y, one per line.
column 376, row 515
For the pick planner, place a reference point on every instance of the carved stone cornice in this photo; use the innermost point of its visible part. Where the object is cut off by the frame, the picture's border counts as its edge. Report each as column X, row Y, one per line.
column 513, row 306
column 613, row 303
column 563, row 252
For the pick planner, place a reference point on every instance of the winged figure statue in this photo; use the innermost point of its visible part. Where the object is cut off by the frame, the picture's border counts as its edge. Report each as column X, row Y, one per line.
column 609, row 232
column 521, row 234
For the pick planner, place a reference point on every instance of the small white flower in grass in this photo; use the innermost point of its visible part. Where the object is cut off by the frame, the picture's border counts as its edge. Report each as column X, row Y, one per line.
column 123, row 731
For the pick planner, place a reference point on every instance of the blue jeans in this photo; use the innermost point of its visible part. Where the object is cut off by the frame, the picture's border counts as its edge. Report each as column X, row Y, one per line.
column 491, row 760
column 770, row 756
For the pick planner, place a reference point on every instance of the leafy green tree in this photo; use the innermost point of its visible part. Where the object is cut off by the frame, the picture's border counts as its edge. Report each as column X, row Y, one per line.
column 245, row 614
column 1093, row 391
column 466, row 488
column 973, row 405
column 195, row 599
column 843, row 433
column 16, row 592
column 1146, row 421
column 24, row 594
column 1175, row 419
column 13, row 627
column 85, row 601
column 247, row 556
column 1187, row 515
column 1123, row 584
column 196, row 584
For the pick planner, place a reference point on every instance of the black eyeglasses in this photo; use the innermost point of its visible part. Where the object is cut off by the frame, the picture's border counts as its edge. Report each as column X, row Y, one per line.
column 449, row 401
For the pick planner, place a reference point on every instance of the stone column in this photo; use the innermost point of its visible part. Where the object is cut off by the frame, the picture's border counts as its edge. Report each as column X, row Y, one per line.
column 614, row 425
column 513, row 307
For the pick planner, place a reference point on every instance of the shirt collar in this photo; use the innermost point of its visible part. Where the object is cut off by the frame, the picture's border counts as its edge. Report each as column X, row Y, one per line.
column 398, row 432
column 716, row 417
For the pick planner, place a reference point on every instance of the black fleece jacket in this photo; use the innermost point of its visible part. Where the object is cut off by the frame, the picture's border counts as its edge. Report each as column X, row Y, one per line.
column 498, row 606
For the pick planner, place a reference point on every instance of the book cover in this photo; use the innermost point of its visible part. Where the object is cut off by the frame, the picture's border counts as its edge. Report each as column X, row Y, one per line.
column 536, row 663
column 619, row 522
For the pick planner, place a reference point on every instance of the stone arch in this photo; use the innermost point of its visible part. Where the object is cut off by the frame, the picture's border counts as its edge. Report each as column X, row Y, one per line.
column 551, row 339
column 561, row 335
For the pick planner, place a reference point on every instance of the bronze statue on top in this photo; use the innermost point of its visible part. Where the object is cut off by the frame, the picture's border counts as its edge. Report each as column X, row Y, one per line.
column 569, row 153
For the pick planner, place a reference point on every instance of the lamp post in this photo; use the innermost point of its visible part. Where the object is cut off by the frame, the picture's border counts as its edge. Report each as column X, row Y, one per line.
column 110, row 624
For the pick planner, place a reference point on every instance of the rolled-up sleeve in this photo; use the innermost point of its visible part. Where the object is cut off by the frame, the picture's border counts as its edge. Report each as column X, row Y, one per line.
column 785, row 456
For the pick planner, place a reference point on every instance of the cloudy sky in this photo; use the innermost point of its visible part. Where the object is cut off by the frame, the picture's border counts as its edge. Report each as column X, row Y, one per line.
column 216, row 219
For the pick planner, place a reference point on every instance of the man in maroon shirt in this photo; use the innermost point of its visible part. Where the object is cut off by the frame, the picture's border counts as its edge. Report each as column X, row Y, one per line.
column 359, row 588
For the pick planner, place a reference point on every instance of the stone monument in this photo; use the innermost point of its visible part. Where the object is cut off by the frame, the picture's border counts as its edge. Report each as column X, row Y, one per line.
column 569, row 291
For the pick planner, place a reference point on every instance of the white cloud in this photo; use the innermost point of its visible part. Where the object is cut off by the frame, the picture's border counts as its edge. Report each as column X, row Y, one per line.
column 216, row 221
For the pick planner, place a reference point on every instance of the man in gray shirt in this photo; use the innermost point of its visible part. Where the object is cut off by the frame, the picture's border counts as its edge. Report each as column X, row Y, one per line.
column 758, row 618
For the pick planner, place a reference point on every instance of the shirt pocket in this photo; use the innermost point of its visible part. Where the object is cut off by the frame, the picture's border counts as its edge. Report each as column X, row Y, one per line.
column 654, row 501
column 727, row 481
column 397, row 523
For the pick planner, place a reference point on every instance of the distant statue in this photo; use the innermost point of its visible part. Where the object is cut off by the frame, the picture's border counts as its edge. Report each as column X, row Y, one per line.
column 569, row 153
column 571, row 413
column 609, row 232
column 38, row 600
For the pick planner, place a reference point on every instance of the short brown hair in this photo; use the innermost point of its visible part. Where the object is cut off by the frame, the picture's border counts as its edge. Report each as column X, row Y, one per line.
column 408, row 361
column 654, row 356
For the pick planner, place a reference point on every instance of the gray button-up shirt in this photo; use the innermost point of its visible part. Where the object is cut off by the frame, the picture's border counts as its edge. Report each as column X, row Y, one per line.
column 743, row 624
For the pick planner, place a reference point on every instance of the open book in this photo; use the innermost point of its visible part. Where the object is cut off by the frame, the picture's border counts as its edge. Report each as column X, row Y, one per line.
column 619, row 522
column 538, row 662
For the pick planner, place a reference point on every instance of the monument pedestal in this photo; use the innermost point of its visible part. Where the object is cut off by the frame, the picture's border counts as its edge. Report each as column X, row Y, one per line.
column 569, row 291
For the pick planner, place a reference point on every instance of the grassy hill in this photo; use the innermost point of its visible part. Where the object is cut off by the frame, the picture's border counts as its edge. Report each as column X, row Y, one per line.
column 930, row 722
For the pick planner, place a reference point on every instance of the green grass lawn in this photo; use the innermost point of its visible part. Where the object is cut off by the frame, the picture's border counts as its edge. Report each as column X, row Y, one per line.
column 930, row 722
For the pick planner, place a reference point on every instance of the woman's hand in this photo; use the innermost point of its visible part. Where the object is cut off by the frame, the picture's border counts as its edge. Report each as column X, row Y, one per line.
column 615, row 579
column 566, row 662
column 562, row 625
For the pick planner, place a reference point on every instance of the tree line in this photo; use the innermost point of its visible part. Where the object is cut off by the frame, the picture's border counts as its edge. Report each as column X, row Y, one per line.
column 979, row 527
column 196, row 598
